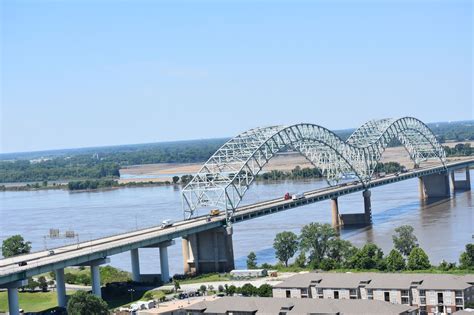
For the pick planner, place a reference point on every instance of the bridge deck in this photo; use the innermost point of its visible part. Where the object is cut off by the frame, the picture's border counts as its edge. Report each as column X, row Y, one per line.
column 84, row 252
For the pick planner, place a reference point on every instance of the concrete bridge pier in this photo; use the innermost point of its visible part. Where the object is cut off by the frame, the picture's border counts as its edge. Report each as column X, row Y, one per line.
column 367, row 206
column 165, row 269
column 95, row 274
column 462, row 184
column 208, row 251
column 336, row 221
column 135, row 258
column 12, row 288
column 61, row 287
column 434, row 186
column 355, row 219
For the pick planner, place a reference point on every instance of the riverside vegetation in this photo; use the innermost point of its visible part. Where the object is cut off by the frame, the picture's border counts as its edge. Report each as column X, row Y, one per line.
column 106, row 162
column 320, row 247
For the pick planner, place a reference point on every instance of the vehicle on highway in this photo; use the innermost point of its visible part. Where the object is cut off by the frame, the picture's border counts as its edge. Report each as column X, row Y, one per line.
column 297, row 196
column 166, row 223
column 343, row 184
column 22, row 263
column 287, row 196
column 355, row 182
column 214, row 212
column 350, row 175
column 397, row 174
column 381, row 174
column 51, row 252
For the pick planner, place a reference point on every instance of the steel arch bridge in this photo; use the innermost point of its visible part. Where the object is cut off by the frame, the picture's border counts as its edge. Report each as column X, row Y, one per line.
column 226, row 176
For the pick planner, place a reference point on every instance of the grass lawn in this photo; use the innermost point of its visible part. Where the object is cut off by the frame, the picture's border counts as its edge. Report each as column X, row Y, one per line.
column 31, row 301
column 206, row 278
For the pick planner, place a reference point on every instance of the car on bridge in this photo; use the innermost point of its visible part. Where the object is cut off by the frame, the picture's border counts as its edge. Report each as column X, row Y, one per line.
column 298, row 196
column 166, row 223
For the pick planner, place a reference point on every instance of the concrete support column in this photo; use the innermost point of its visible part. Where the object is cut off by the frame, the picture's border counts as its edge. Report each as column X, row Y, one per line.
column 186, row 257
column 335, row 213
column 135, row 264
column 13, row 304
column 12, row 288
column 421, row 188
column 165, row 270
column 208, row 251
column 435, row 186
column 95, row 275
column 461, row 184
column 367, row 207
column 61, row 287
column 468, row 179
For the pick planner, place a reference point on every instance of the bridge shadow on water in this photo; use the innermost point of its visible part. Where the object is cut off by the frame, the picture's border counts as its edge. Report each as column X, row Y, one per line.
column 409, row 209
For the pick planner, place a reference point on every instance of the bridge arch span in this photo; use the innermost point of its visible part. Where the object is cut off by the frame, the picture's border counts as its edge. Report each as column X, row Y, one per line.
column 227, row 175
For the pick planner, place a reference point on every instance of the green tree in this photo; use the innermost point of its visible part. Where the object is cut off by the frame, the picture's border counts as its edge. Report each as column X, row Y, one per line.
column 418, row 260
column 203, row 288
column 314, row 238
column 175, row 179
column 220, row 288
column 32, row 284
column 230, row 290
column 15, row 245
column 265, row 290
column 176, row 285
column 83, row 303
column 404, row 240
column 285, row 245
column 43, row 284
column 251, row 261
column 248, row 290
column 395, row 261
column 340, row 252
column 300, row 260
column 368, row 257
column 446, row 266
column 466, row 259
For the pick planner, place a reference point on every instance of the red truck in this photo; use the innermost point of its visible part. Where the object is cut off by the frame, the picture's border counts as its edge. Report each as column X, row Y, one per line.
column 287, row 196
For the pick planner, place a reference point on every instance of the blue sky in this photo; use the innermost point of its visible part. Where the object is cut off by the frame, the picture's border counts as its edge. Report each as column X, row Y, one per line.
column 90, row 73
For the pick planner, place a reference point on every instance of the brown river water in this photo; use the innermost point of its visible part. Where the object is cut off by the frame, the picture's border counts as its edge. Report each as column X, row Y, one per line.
column 443, row 227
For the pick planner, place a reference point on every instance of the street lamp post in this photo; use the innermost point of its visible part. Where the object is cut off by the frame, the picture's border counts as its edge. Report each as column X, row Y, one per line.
column 131, row 294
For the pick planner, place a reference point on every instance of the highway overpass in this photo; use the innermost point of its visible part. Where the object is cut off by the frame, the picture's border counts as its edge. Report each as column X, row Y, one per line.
column 206, row 245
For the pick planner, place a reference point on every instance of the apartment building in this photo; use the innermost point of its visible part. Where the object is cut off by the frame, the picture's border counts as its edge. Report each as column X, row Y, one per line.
column 431, row 293
column 295, row 306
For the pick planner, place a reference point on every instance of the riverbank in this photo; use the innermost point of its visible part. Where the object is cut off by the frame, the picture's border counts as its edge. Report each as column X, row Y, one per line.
column 285, row 166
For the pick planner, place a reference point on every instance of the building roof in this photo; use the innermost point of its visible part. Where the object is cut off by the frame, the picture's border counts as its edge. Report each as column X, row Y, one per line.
column 295, row 306
column 442, row 282
column 373, row 280
column 301, row 280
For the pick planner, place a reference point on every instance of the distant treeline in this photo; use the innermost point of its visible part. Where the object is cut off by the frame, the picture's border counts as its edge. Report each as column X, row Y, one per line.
column 460, row 149
column 78, row 167
column 91, row 184
column 388, row 167
column 296, row 173
column 105, row 162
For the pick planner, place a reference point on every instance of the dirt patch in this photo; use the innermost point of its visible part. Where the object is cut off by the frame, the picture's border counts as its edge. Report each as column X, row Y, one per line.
column 282, row 162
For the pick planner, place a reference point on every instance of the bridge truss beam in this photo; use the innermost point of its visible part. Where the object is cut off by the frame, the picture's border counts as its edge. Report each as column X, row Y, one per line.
column 226, row 176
